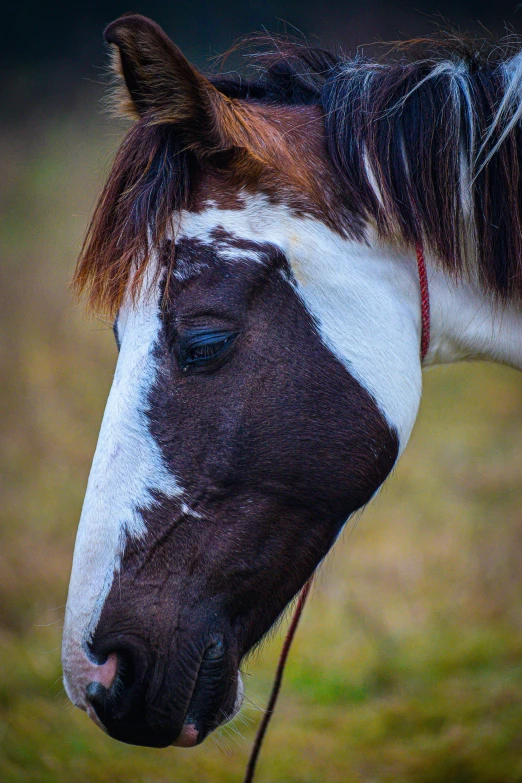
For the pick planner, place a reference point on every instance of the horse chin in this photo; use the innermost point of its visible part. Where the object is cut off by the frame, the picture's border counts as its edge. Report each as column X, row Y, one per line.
column 188, row 737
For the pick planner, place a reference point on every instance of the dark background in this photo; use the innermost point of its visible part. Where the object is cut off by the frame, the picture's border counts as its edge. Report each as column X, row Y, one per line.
column 35, row 34
column 53, row 46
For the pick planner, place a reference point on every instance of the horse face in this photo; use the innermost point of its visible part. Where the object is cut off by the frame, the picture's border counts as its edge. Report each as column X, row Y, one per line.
column 234, row 446
column 265, row 377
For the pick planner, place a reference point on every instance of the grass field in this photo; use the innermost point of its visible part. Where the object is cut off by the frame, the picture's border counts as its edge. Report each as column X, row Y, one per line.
column 408, row 663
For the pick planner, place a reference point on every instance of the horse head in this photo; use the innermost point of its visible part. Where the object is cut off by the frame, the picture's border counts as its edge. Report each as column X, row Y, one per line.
column 268, row 377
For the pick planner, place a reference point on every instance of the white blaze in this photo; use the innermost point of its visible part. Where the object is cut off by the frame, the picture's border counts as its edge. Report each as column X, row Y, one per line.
column 127, row 466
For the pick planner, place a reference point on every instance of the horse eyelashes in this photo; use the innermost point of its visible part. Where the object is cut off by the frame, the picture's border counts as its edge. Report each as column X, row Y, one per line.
column 202, row 350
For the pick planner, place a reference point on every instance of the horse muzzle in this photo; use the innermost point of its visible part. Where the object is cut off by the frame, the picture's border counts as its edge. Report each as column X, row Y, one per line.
column 172, row 700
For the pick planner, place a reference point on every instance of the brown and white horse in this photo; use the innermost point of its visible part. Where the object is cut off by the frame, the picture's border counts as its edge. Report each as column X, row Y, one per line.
column 256, row 243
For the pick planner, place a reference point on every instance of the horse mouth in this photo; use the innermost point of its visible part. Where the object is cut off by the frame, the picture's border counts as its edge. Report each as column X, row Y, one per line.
column 214, row 699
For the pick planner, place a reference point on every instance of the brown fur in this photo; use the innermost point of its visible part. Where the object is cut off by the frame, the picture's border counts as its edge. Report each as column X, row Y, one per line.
column 229, row 143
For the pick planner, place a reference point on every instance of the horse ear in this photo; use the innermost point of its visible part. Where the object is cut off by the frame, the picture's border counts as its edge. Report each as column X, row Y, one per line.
column 161, row 84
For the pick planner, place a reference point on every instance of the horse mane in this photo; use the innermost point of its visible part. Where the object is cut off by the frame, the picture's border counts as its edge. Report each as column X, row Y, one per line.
column 426, row 145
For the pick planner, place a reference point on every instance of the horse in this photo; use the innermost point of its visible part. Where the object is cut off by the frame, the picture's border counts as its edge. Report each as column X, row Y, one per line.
column 282, row 256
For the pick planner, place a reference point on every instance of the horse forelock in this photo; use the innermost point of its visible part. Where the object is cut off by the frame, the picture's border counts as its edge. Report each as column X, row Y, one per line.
column 154, row 179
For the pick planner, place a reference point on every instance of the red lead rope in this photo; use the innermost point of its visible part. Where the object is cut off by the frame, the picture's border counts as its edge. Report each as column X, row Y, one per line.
column 254, row 754
column 303, row 595
column 425, row 302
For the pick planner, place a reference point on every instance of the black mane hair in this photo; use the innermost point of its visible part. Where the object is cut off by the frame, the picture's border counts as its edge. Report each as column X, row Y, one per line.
column 428, row 146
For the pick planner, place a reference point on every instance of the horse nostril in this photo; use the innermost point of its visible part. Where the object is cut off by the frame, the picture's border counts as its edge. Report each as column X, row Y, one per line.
column 116, row 685
column 104, row 676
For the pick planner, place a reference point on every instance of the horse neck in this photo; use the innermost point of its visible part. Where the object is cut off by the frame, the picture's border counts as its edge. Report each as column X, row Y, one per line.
column 468, row 324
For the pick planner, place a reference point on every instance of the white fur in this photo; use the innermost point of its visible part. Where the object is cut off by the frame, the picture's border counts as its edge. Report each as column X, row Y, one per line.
column 127, row 465
column 466, row 324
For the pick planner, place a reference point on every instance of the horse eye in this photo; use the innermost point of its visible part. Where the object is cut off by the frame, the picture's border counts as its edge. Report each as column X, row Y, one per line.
column 205, row 349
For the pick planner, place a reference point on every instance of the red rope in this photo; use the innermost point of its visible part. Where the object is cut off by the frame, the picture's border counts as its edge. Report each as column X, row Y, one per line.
column 254, row 754
column 425, row 302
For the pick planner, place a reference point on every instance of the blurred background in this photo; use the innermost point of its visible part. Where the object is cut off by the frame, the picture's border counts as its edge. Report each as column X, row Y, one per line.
column 408, row 663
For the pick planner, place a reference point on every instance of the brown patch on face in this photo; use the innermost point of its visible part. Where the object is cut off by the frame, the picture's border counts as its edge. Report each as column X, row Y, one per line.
column 284, row 157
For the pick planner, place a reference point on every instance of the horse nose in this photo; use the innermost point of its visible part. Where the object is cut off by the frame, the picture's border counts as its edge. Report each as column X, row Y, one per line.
column 150, row 702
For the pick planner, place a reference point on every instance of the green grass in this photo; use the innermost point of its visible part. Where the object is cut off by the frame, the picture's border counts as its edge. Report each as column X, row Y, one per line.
column 408, row 662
